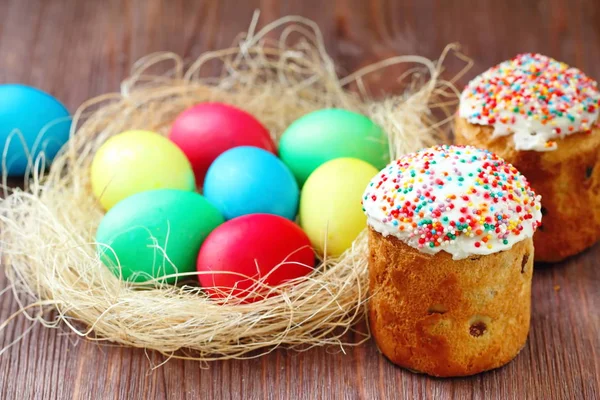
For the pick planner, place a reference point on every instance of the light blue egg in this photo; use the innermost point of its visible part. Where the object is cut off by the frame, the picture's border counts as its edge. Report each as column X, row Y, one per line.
column 248, row 180
column 43, row 122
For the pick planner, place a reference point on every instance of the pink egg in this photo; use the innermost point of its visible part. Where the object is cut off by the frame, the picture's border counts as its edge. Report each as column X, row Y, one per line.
column 206, row 130
column 253, row 247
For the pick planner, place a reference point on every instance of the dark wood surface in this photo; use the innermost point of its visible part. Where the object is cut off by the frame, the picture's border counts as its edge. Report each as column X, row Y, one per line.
column 79, row 49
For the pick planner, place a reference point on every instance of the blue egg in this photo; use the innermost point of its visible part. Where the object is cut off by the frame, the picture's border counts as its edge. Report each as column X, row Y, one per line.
column 43, row 122
column 248, row 180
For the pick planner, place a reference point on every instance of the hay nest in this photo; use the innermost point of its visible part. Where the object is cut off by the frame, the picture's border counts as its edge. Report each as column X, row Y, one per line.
column 48, row 227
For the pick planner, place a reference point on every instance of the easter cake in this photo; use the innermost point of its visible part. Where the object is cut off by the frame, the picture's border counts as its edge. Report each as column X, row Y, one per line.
column 450, row 260
column 542, row 116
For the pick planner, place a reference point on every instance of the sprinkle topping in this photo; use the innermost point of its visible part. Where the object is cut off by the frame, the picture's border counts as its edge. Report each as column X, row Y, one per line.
column 462, row 200
column 533, row 97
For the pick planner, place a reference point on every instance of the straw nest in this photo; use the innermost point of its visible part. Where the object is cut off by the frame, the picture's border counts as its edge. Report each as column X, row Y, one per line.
column 48, row 227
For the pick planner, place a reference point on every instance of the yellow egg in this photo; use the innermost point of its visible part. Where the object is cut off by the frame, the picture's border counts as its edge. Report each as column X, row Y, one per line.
column 330, row 209
column 136, row 161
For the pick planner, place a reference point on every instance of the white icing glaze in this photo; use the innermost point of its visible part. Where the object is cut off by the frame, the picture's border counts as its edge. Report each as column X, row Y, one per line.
column 462, row 200
column 533, row 97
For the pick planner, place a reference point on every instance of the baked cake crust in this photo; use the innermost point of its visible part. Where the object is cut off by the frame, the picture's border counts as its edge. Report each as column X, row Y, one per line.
column 446, row 317
column 568, row 179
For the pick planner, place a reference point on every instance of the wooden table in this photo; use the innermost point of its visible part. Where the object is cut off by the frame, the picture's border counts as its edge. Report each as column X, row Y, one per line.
column 79, row 49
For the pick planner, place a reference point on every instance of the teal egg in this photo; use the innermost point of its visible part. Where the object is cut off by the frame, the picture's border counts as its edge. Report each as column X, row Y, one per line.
column 326, row 134
column 140, row 227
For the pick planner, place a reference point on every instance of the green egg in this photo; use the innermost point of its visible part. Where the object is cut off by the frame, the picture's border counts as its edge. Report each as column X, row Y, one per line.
column 324, row 135
column 138, row 229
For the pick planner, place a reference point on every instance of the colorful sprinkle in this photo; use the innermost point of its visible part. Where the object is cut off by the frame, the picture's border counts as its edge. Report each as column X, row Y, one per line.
column 492, row 208
column 533, row 97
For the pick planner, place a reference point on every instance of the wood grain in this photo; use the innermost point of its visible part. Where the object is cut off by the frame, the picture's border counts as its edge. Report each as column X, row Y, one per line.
column 80, row 49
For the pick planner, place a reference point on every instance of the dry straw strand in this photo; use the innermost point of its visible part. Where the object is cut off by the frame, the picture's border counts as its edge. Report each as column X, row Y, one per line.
column 48, row 228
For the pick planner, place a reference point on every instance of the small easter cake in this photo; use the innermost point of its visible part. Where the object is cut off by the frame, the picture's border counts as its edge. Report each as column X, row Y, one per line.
column 541, row 115
column 450, row 260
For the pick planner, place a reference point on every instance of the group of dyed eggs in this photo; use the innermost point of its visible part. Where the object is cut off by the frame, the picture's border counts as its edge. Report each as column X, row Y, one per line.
column 242, row 228
column 244, row 223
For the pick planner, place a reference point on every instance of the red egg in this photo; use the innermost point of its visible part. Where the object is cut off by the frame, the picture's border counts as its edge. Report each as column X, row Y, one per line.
column 253, row 247
column 206, row 130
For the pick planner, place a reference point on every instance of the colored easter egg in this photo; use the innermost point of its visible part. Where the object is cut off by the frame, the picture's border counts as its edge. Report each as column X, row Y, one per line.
column 249, row 180
column 330, row 209
column 41, row 120
column 155, row 233
column 324, row 135
column 136, row 161
column 253, row 247
column 206, row 130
